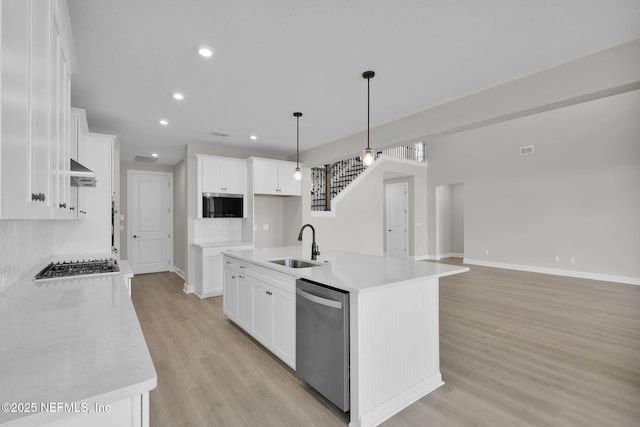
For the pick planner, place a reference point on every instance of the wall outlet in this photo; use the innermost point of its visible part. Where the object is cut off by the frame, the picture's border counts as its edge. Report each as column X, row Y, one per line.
column 572, row 260
column 265, row 227
column 557, row 258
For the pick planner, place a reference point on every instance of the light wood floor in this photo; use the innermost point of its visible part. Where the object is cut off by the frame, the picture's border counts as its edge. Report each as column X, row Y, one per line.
column 516, row 349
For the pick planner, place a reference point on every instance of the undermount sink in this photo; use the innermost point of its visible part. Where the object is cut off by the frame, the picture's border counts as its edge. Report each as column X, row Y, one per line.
column 295, row 263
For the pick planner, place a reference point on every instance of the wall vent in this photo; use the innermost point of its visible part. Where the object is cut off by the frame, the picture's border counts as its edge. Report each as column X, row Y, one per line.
column 526, row 150
column 222, row 134
column 147, row 159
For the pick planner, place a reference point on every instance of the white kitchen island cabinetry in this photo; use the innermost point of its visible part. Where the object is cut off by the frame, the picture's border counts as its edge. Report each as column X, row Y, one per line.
column 274, row 177
column 394, row 333
column 263, row 304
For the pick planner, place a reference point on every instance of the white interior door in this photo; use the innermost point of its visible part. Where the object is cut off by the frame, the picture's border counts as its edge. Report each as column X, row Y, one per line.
column 397, row 219
column 150, row 224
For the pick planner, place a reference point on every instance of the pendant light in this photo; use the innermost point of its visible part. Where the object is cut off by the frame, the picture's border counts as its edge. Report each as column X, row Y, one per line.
column 368, row 156
column 297, row 174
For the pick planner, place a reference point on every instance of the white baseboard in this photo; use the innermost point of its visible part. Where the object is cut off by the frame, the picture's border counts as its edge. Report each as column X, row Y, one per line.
column 556, row 271
column 188, row 289
column 209, row 294
column 399, row 402
column 180, row 273
column 443, row 256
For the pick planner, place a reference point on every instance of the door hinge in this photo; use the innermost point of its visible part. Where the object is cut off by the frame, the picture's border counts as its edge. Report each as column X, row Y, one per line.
column 169, row 236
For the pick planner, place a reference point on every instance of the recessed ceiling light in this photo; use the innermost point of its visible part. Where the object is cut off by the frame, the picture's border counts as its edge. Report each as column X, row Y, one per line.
column 154, row 154
column 163, row 122
column 205, row 52
column 178, row 96
column 253, row 137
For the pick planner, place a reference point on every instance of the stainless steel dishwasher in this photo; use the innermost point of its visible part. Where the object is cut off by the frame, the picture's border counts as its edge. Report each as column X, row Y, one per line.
column 322, row 340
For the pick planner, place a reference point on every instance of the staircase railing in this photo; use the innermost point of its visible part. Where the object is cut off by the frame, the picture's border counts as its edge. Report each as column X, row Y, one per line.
column 337, row 176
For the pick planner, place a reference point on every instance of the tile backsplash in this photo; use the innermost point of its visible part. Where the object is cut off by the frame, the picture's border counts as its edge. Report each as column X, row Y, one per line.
column 23, row 245
column 212, row 230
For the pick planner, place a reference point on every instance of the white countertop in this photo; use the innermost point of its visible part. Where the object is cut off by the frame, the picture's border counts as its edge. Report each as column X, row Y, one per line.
column 70, row 340
column 350, row 271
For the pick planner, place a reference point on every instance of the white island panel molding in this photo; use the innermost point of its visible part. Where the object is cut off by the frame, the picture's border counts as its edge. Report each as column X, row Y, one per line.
column 397, row 342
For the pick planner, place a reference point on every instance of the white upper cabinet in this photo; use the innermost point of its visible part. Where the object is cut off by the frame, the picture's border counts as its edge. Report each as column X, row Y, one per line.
column 37, row 58
column 223, row 175
column 16, row 133
column 275, row 177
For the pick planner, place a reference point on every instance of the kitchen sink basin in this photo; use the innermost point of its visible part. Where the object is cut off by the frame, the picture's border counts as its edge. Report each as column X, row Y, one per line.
column 295, row 263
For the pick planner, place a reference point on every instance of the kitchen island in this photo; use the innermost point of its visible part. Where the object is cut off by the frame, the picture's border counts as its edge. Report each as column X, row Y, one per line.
column 394, row 333
column 72, row 353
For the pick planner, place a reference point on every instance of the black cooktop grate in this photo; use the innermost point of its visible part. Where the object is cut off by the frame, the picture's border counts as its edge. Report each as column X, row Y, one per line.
column 78, row 268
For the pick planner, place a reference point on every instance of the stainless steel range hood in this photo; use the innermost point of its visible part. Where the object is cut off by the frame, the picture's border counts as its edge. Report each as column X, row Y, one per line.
column 81, row 176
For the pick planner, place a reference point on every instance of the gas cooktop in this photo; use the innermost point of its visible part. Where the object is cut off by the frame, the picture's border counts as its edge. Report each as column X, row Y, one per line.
column 61, row 269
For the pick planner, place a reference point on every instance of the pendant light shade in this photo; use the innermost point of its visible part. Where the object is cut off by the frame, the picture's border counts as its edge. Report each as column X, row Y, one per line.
column 297, row 174
column 368, row 156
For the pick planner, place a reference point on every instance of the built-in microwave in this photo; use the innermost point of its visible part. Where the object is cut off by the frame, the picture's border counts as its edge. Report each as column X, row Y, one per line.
column 219, row 205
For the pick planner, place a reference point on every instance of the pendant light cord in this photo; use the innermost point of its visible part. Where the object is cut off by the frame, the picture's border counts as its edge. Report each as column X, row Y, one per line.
column 368, row 107
column 297, row 116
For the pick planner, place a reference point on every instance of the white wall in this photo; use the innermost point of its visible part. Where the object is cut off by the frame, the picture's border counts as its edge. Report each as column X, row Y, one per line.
column 443, row 220
column 180, row 216
column 268, row 212
column 544, row 107
column 92, row 233
column 576, row 196
column 612, row 71
column 457, row 219
column 358, row 224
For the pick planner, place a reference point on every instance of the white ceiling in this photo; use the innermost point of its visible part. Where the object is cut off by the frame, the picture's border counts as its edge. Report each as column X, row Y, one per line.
column 279, row 56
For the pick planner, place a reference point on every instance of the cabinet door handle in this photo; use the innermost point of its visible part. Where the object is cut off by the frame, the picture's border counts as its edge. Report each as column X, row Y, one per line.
column 62, row 205
column 135, row 236
column 241, row 276
column 242, row 266
column 227, row 262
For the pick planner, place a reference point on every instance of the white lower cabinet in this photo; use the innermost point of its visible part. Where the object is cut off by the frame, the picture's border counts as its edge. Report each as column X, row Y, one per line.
column 283, row 342
column 209, row 269
column 129, row 412
column 263, row 303
column 262, row 325
column 230, row 300
column 245, row 302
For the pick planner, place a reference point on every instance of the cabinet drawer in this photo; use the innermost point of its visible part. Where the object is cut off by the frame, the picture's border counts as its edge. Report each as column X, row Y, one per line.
column 274, row 278
column 237, row 265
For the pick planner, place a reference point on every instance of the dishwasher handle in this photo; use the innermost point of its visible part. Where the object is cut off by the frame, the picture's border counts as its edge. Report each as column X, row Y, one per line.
column 319, row 300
